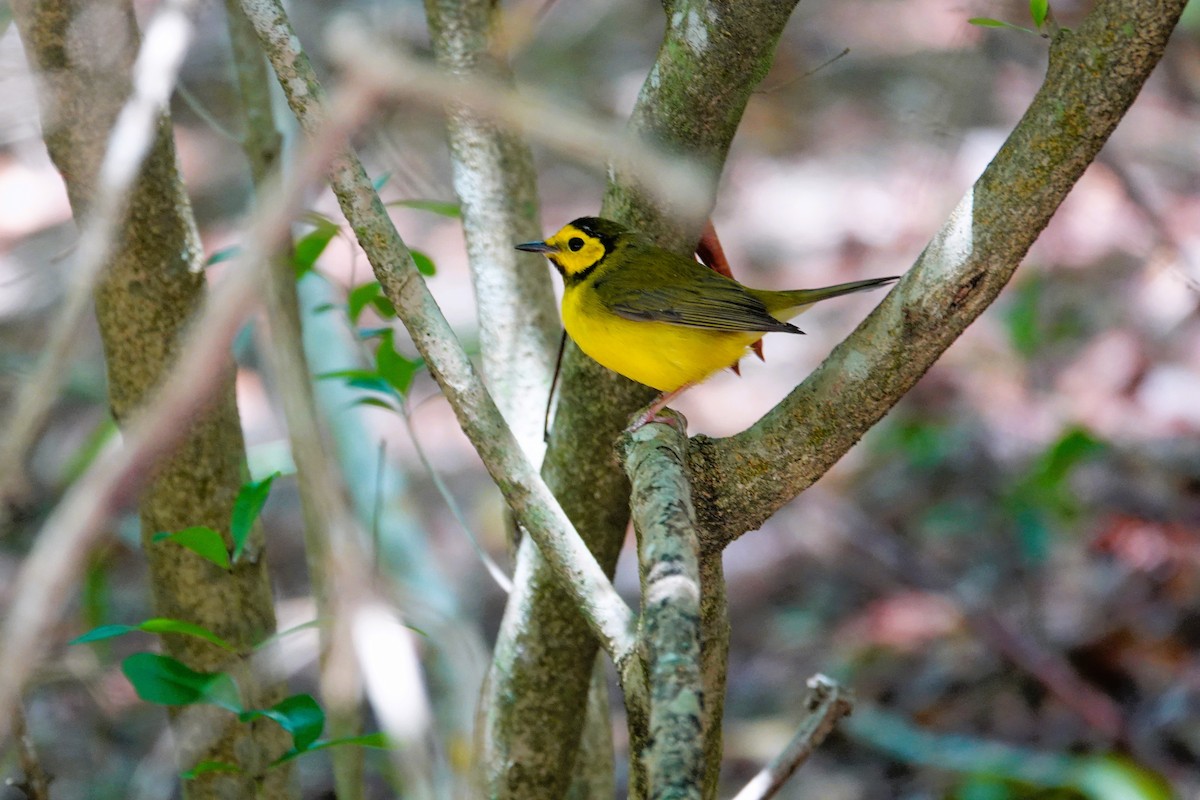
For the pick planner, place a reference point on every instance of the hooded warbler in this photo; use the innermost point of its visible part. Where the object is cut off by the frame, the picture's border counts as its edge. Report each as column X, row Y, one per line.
column 659, row 318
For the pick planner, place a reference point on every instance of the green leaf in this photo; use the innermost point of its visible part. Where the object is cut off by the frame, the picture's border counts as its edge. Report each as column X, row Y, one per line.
column 359, row 298
column 94, row 594
column 374, row 740
column 300, row 715
column 208, row 766
column 378, row 402
column 201, row 540
column 383, row 307
column 224, row 254
column 1117, row 778
column 1038, row 9
column 367, row 379
column 165, row 681
column 424, row 263
column 397, row 370
column 310, row 246
column 154, row 625
column 381, row 181
column 92, row 447
column 1024, row 315
column 166, row 625
column 250, row 500
column 452, row 210
column 987, row 22
column 371, row 333
column 103, row 632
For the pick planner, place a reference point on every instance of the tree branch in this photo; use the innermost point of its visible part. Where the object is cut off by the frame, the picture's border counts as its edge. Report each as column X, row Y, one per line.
column 827, row 703
column 609, row 618
column 691, row 103
column 1095, row 73
column 671, row 749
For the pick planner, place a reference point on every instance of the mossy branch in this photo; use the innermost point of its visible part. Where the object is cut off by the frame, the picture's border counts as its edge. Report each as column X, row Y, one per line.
column 671, row 748
column 1095, row 73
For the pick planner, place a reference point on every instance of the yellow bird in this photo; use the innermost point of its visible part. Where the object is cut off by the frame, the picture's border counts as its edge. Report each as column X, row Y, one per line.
column 657, row 317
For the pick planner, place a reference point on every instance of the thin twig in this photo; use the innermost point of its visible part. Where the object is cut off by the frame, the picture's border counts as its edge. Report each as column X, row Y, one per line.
column 493, row 569
column 193, row 102
column 35, row 782
column 827, row 702
column 601, row 143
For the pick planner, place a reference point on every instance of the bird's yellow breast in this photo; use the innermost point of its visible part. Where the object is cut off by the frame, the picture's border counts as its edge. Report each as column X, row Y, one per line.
column 658, row 354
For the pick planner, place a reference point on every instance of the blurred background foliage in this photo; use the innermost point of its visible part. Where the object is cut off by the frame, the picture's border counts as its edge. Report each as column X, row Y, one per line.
column 1006, row 570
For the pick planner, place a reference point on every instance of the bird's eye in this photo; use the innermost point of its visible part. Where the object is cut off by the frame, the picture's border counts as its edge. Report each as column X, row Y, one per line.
column 575, row 244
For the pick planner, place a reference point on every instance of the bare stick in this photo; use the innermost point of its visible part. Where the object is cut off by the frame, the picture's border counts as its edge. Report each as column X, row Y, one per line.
column 827, row 703
column 35, row 782
column 678, row 183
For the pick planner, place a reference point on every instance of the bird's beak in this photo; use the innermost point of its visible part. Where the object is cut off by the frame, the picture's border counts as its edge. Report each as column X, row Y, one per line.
column 537, row 247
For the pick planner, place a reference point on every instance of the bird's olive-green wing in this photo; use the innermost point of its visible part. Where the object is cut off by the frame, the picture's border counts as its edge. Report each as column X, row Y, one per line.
column 681, row 292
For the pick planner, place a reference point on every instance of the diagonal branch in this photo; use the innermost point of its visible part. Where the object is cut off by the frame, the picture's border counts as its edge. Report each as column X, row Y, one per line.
column 1095, row 73
column 530, row 499
column 827, row 702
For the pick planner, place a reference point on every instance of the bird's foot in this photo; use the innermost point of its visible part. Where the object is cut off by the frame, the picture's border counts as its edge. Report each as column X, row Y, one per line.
column 658, row 412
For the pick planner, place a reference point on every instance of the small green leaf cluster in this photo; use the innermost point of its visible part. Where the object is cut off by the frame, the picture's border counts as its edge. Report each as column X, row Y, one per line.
column 208, row 543
column 1039, row 12
column 167, row 681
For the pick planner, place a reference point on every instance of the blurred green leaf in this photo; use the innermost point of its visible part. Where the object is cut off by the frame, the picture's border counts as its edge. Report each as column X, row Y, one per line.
column 154, row 625
column 368, row 379
column 381, row 181
column 246, row 508
column 377, row 402
column 205, row 767
column 103, row 632
column 224, row 254
column 83, row 457
column 166, row 681
column 436, row 206
column 1022, row 316
column 988, row 22
column 94, row 594
column 383, row 307
column 396, row 369
column 359, row 298
column 166, row 625
column 300, row 715
column 1042, row 499
column 1116, row 778
column 983, row 787
column 1038, row 10
column 374, row 740
column 201, row 540
column 424, row 263
column 310, row 246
